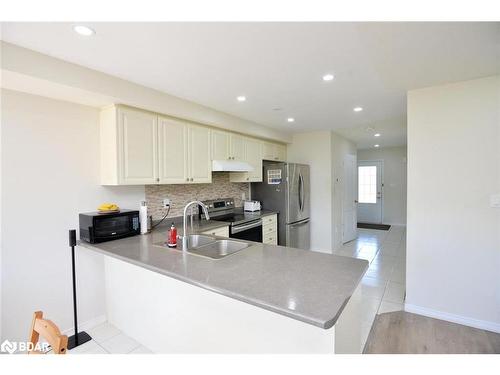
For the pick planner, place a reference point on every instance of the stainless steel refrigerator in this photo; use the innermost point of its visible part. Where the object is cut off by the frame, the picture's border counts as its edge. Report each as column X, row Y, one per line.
column 285, row 188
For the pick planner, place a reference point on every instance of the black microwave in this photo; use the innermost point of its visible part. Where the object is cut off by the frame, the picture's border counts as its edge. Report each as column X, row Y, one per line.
column 97, row 227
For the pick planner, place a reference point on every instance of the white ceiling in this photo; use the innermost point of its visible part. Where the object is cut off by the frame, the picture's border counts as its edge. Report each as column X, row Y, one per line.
column 280, row 65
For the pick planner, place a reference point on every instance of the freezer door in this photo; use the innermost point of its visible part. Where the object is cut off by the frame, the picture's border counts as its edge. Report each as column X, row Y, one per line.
column 297, row 235
column 297, row 192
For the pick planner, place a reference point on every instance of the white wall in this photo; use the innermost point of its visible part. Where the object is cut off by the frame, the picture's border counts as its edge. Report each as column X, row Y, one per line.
column 50, row 161
column 324, row 152
column 453, row 248
column 314, row 148
column 394, row 202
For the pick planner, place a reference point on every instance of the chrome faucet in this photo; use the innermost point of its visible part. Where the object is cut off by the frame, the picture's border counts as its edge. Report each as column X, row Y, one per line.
column 184, row 221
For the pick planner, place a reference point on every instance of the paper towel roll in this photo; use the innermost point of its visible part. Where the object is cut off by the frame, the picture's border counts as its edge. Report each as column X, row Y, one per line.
column 143, row 217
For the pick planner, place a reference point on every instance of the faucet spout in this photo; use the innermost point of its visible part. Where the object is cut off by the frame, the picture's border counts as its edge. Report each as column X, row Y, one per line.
column 184, row 221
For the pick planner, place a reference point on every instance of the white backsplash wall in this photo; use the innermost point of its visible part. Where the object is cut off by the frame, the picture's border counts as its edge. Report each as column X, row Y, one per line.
column 182, row 194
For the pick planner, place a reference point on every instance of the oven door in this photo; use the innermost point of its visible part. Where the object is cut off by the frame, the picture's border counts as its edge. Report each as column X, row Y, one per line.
column 251, row 231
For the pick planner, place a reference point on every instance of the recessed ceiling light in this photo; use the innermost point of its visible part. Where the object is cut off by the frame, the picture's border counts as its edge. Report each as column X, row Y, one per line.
column 357, row 109
column 376, row 146
column 376, row 135
column 241, row 98
column 328, row 77
column 290, row 119
column 83, row 30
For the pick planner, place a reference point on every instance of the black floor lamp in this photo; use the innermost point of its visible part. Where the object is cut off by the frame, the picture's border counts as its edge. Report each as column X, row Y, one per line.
column 78, row 338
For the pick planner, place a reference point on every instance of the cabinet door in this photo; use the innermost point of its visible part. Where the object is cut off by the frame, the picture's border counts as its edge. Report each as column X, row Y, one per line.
column 254, row 158
column 268, row 151
column 220, row 145
column 200, row 163
column 137, row 147
column 237, row 147
column 280, row 153
column 172, row 151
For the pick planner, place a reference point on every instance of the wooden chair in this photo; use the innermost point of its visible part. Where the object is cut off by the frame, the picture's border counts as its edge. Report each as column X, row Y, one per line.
column 50, row 332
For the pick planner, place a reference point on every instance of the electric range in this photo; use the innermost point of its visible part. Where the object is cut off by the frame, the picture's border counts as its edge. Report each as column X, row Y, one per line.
column 244, row 226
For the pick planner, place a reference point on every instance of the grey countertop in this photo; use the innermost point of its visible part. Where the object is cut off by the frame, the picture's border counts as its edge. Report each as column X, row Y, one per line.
column 308, row 286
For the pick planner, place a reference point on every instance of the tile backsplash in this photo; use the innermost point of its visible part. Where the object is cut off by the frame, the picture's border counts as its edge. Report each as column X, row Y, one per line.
column 182, row 194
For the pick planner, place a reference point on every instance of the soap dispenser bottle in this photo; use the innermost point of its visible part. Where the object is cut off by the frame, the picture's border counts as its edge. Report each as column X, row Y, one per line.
column 172, row 236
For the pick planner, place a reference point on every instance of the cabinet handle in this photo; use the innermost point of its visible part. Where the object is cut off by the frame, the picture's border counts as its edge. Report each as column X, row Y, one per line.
column 247, row 178
column 276, row 158
column 187, row 179
column 191, row 179
column 157, row 180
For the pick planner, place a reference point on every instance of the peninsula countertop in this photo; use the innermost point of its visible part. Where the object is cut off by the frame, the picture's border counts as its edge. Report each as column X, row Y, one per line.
column 305, row 285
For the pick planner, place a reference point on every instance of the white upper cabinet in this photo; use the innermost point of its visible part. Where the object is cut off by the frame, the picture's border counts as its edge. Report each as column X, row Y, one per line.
column 141, row 148
column 252, row 154
column 200, row 165
column 254, row 158
column 128, row 147
column 273, row 151
column 220, row 145
column 280, row 152
column 172, row 151
column 237, row 147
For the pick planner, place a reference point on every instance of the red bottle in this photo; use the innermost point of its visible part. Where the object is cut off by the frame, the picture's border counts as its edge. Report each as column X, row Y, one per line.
column 172, row 236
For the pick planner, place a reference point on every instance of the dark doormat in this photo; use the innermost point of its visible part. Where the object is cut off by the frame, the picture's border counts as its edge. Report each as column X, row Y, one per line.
column 374, row 226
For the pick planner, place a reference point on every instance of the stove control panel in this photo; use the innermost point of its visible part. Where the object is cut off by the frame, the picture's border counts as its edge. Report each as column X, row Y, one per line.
column 223, row 204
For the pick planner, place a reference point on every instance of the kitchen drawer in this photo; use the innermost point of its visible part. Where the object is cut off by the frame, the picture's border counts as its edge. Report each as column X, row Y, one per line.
column 270, row 238
column 221, row 232
column 271, row 219
column 269, row 228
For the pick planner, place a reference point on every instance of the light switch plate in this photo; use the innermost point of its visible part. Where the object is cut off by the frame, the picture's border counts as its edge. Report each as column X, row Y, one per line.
column 495, row 200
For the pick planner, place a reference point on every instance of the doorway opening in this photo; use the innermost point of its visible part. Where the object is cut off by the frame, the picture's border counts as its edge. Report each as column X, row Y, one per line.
column 370, row 191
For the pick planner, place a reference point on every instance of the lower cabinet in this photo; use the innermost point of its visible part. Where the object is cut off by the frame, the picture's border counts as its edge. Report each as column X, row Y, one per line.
column 220, row 232
column 270, row 229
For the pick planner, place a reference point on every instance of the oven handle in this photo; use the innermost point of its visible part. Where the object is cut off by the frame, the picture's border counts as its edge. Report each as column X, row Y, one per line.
column 241, row 228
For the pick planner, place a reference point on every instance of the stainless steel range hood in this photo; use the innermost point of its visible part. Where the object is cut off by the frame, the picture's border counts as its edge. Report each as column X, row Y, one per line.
column 230, row 166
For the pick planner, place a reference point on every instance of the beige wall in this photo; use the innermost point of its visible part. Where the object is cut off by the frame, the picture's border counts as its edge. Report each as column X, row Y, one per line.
column 453, row 243
column 394, row 203
column 314, row 148
column 324, row 152
column 50, row 173
column 29, row 71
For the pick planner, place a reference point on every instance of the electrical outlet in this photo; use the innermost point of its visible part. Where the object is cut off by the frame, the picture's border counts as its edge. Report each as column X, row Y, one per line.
column 166, row 202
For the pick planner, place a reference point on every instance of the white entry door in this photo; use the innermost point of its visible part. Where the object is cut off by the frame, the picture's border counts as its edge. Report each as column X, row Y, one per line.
column 370, row 194
column 349, row 206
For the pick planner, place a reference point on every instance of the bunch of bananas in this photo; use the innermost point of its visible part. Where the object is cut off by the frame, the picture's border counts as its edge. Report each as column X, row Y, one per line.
column 105, row 207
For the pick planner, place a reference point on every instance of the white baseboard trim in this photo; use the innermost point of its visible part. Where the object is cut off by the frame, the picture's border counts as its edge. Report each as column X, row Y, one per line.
column 471, row 322
column 94, row 322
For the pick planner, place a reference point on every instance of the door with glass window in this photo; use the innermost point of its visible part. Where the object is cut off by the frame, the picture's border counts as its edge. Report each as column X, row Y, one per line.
column 370, row 194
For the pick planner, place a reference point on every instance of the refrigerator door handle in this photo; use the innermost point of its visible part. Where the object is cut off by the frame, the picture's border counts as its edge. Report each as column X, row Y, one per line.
column 301, row 192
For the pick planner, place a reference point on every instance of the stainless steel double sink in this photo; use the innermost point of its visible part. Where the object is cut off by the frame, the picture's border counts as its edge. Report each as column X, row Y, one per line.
column 211, row 247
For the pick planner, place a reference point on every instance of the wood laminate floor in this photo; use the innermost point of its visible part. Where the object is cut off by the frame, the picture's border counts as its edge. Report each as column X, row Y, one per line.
column 406, row 333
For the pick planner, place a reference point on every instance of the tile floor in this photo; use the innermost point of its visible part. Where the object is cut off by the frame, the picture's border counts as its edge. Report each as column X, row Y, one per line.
column 107, row 339
column 383, row 286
